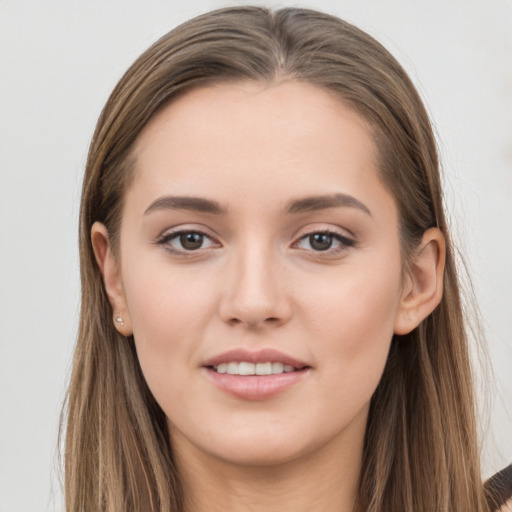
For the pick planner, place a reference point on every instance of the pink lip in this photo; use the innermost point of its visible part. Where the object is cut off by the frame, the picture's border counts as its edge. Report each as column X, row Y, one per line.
column 260, row 356
column 255, row 387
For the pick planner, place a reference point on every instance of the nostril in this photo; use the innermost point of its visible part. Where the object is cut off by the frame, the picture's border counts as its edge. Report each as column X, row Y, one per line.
column 269, row 320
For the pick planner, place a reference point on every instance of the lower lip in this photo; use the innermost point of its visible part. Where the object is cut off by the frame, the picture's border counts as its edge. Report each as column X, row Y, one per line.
column 255, row 387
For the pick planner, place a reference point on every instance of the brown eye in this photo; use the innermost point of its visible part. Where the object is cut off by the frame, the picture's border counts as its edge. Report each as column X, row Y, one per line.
column 330, row 242
column 320, row 241
column 191, row 241
column 181, row 242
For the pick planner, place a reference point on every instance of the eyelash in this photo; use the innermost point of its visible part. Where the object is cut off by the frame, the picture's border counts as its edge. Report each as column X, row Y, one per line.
column 345, row 242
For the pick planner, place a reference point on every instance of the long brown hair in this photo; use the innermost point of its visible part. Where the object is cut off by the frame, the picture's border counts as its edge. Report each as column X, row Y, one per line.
column 420, row 449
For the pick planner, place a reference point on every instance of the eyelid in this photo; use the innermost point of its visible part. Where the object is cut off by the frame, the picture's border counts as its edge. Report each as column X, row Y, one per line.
column 185, row 228
column 325, row 228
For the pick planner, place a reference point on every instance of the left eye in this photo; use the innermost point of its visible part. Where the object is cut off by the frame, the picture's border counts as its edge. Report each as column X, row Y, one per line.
column 187, row 240
column 323, row 241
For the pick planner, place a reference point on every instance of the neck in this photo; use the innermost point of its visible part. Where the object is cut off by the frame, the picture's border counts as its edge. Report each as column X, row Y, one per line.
column 325, row 480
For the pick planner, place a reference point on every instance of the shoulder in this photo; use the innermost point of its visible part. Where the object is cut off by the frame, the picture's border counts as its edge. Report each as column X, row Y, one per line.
column 499, row 490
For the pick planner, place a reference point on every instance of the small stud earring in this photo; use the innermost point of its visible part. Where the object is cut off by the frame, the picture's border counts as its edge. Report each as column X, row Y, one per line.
column 119, row 320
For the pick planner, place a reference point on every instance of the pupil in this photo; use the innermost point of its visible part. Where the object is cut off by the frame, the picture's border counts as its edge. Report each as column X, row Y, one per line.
column 320, row 241
column 191, row 241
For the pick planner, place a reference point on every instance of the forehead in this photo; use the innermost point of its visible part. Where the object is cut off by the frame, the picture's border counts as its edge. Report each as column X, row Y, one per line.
column 210, row 112
column 256, row 141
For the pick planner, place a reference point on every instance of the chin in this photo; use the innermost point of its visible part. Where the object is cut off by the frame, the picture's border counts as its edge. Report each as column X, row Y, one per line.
column 261, row 453
column 256, row 443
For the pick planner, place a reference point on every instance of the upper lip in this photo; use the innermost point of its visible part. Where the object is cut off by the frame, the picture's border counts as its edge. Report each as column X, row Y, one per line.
column 257, row 356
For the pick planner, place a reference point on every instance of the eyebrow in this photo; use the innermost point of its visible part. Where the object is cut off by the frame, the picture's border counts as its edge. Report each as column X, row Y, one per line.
column 314, row 203
column 303, row 205
column 197, row 204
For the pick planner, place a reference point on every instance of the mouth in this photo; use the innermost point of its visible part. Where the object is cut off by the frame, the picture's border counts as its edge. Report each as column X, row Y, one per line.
column 255, row 375
column 247, row 368
column 245, row 362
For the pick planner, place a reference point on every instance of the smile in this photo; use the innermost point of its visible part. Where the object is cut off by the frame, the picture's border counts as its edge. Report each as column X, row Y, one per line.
column 247, row 368
column 255, row 375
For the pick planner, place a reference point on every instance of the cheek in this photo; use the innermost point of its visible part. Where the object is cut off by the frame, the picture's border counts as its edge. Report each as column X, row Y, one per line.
column 362, row 299
column 354, row 323
column 169, row 311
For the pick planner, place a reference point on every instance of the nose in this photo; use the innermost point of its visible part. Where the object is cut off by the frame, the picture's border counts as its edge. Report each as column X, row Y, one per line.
column 255, row 291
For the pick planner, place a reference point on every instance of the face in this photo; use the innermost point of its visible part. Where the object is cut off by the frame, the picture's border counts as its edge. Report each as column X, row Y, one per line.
column 259, row 270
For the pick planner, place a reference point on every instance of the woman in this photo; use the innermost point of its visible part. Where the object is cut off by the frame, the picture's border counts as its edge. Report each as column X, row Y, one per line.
column 270, row 307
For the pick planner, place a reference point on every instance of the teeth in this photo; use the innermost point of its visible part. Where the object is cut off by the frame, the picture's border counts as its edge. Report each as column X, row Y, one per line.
column 245, row 368
column 277, row 367
column 263, row 369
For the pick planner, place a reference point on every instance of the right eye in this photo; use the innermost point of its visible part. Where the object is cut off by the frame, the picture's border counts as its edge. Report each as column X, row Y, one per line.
column 186, row 241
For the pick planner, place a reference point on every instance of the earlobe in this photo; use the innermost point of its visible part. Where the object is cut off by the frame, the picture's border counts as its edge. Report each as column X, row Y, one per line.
column 423, row 289
column 108, row 264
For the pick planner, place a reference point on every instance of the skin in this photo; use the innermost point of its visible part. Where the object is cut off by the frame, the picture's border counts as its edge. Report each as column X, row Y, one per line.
column 507, row 506
column 259, row 282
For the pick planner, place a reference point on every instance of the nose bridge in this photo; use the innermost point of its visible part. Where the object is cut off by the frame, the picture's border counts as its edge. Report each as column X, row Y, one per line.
column 254, row 294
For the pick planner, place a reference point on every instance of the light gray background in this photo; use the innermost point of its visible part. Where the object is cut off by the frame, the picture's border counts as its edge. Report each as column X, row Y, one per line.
column 58, row 62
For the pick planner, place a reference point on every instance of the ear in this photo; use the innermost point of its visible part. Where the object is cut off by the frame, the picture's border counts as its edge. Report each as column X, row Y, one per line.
column 110, row 271
column 423, row 283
